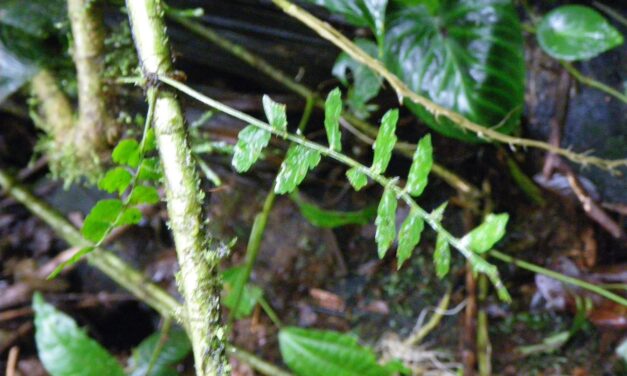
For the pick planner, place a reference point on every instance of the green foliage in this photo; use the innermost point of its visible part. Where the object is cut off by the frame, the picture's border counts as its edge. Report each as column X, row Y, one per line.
column 235, row 285
column 332, row 218
column 250, row 143
column 332, row 112
column 127, row 153
column 386, row 221
column 116, row 180
column 441, row 256
column 175, row 348
column 64, row 349
column 298, row 161
column 467, row 56
column 310, row 352
column 366, row 84
column 149, row 169
column 142, row 194
column 483, row 238
column 464, row 55
column 409, row 236
column 420, row 167
column 101, row 218
column 576, row 32
column 275, row 113
column 384, row 144
column 357, row 178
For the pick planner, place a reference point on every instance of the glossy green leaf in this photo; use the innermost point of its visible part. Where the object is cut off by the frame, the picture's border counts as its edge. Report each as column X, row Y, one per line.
column 250, row 143
column 576, row 32
column 420, row 167
column 467, row 57
column 64, row 349
column 127, row 153
column 360, row 12
column 442, row 256
column 142, row 194
column 149, row 169
column 275, row 112
column 332, row 218
column 332, row 112
column 298, row 161
column 249, row 293
column 310, row 352
column 366, row 84
column 482, row 238
column 115, row 180
column 357, row 178
column 386, row 221
column 409, row 236
column 102, row 216
column 129, row 216
column 175, row 349
column 76, row 257
column 384, row 144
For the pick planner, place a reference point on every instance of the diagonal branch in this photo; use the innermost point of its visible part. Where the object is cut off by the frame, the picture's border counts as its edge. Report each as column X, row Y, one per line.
column 331, row 34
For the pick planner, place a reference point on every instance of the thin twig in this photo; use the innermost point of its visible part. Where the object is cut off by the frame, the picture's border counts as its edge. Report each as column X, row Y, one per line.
column 331, row 34
column 434, row 321
column 592, row 82
column 12, row 361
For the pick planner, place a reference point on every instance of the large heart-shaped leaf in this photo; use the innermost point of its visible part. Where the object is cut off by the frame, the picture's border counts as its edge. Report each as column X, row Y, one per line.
column 576, row 32
column 467, row 56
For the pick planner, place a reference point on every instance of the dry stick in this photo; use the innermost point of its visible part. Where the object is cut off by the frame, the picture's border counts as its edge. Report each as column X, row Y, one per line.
column 117, row 269
column 331, row 34
column 276, row 74
column 198, row 253
column 592, row 82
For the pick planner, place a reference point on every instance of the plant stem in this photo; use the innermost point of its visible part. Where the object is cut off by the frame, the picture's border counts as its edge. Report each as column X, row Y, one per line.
column 558, row 276
column 478, row 263
column 491, row 272
column 115, row 268
column 271, row 71
column 331, row 34
column 198, row 253
column 592, row 82
column 163, row 338
column 433, row 322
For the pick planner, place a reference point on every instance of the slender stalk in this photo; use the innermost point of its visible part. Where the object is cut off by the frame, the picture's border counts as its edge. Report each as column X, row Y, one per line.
column 477, row 262
column 433, row 322
column 400, row 193
column 94, row 127
column 163, row 338
column 276, row 74
column 118, row 270
column 331, row 34
column 592, row 82
column 558, row 276
column 198, row 253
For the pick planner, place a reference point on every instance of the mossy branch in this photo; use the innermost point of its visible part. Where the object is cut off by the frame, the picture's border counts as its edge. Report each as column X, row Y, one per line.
column 94, row 130
column 118, row 270
column 198, row 253
column 331, row 34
